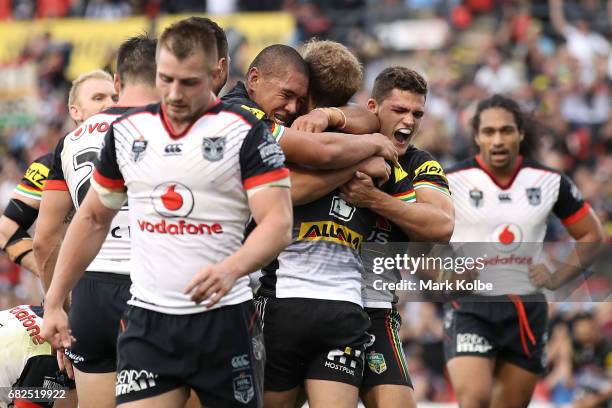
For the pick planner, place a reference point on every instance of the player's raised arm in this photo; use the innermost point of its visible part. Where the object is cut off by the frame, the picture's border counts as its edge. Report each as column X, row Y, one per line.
column 349, row 118
column 334, row 150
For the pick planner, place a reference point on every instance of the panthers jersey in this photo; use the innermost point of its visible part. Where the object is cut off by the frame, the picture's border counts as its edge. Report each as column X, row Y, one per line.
column 33, row 181
column 71, row 171
column 187, row 196
column 418, row 169
column 509, row 219
column 239, row 95
column 323, row 261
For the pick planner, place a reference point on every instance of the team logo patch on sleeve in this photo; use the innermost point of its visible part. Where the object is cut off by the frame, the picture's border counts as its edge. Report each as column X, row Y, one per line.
column 430, row 168
column 37, row 173
column 213, row 148
column 271, row 153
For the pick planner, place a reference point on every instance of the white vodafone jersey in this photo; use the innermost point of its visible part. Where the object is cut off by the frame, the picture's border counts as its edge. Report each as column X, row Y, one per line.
column 187, row 196
column 20, row 341
column 72, row 168
column 510, row 220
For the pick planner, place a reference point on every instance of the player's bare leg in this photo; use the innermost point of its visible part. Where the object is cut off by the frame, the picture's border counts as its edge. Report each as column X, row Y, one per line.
column 95, row 390
column 282, row 399
column 70, row 401
column 472, row 379
column 324, row 394
column 301, row 398
column 193, row 401
column 513, row 386
column 388, row 396
column 175, row 398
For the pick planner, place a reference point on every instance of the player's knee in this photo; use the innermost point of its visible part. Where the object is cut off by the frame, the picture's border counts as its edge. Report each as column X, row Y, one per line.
column 474, row 400
column 388, row 396
column 472, row 395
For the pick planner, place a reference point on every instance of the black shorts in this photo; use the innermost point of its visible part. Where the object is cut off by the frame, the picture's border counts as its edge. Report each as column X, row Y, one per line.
column 98, row 302
column 219, row 354
column 511, row 328
column 385, row 359
column 312, row 339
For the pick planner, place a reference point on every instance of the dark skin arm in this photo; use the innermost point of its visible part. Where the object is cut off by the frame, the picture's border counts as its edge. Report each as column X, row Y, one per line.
column 587, row 230
column 334, row 150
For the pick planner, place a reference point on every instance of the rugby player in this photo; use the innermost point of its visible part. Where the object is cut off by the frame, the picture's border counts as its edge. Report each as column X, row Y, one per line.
column 495, row 340
column 276, row 91
column 28, row 361
column 191, row 321
column 317, row 281
column 90, row 93
column 423, row 213
column 222, row 53
column 104, row 290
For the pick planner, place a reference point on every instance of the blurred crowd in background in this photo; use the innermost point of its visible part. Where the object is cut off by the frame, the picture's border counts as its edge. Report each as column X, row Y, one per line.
column 553, row 56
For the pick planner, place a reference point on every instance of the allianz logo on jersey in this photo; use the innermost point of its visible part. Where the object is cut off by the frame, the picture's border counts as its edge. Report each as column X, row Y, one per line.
column 329, row 231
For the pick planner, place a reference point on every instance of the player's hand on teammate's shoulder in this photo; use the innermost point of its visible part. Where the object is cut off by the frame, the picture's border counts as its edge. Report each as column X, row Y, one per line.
column 541, row 276
column 314, row 122
column 55, row 327
column 211, row 283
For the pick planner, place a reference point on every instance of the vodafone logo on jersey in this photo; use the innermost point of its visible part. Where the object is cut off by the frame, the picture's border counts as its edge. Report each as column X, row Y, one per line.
column 507, row 237
column 172, row 199
column 101, row 127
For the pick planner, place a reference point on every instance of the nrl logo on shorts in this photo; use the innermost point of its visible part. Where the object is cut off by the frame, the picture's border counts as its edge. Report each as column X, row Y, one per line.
column 244, row 390
column 213, row 148
column 139, row 146
column 376, row 362
column 534, row 195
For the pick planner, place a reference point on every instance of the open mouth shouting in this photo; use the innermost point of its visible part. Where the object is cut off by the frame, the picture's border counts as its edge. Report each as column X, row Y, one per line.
column 402, row 136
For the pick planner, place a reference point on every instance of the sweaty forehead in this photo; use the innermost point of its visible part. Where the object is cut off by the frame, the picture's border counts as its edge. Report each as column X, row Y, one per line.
column 290, row 80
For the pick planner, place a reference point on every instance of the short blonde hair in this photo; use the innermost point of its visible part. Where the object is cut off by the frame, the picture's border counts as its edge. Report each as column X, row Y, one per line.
column 335, row 73
column 76, row 84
